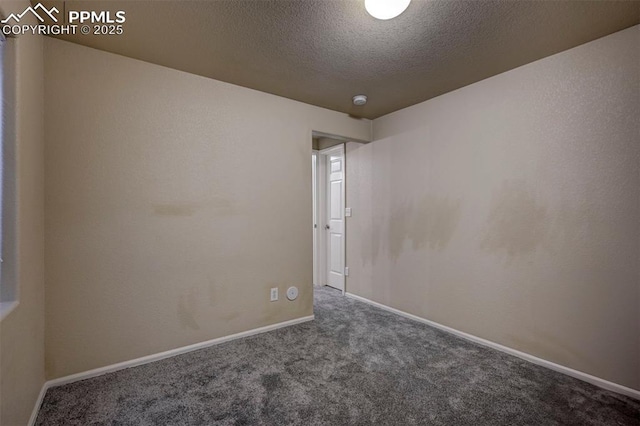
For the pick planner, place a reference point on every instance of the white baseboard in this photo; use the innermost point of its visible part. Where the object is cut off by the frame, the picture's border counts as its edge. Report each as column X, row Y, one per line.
column 156, row 357
column 605, row 384
column 36, row 407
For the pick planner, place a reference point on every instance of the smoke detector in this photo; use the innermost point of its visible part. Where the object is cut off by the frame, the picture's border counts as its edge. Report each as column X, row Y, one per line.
column 359, row 100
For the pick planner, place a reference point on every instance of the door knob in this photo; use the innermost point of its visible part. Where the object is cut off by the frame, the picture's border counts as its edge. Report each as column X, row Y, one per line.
column 327, row 227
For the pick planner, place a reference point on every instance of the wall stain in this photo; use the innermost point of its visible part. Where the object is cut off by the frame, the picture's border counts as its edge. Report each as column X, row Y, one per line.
column 370, row 240
column 552, row 348
column 398, row 229
column 230, row 316
column 50, row 366
column 429, row 222
column 217, row 299
column 187, row 310
column 214, row 292
column 442, row 216
column 517, row 224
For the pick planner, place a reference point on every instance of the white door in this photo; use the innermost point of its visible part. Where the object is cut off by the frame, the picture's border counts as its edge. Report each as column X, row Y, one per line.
column 334, row 227
column 314, row 194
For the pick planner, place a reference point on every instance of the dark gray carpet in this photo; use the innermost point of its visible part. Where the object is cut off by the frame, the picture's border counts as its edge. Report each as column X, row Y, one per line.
column 354, row 365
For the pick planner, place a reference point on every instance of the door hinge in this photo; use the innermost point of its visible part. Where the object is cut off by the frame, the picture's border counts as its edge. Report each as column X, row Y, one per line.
column 346, row 271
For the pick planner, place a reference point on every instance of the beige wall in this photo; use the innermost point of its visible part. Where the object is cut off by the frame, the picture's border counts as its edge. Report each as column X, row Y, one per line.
column 510, row 209
column 22, row 331
column 173, row 203
column 324, row 143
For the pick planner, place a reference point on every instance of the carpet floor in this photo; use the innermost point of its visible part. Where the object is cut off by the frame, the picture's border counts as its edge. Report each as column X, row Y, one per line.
column 354, row 365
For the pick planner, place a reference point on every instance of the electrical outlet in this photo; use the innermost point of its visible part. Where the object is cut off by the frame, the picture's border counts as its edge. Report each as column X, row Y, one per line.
column 274, row 294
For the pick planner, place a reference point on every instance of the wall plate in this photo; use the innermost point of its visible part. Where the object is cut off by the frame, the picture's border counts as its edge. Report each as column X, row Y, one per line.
column 292, row 293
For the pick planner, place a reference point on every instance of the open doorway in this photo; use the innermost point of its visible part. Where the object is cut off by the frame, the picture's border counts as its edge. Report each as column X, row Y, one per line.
column 329, row 227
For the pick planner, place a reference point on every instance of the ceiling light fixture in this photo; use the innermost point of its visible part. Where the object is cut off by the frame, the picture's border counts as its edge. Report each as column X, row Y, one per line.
column 386, row 9
column 359, row 100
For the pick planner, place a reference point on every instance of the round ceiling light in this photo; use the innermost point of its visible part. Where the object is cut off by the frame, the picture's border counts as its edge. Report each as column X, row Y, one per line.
column 359, row 100
column 386, row 9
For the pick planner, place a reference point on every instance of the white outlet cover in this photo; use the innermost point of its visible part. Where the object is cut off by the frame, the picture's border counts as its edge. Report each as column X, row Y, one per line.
column 292, row 293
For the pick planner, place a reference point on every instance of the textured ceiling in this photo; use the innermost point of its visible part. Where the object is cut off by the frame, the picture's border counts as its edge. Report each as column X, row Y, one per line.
column 323, row 52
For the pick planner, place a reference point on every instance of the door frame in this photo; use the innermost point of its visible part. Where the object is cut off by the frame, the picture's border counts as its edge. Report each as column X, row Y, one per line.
column 322, row 248
column 315, row 194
